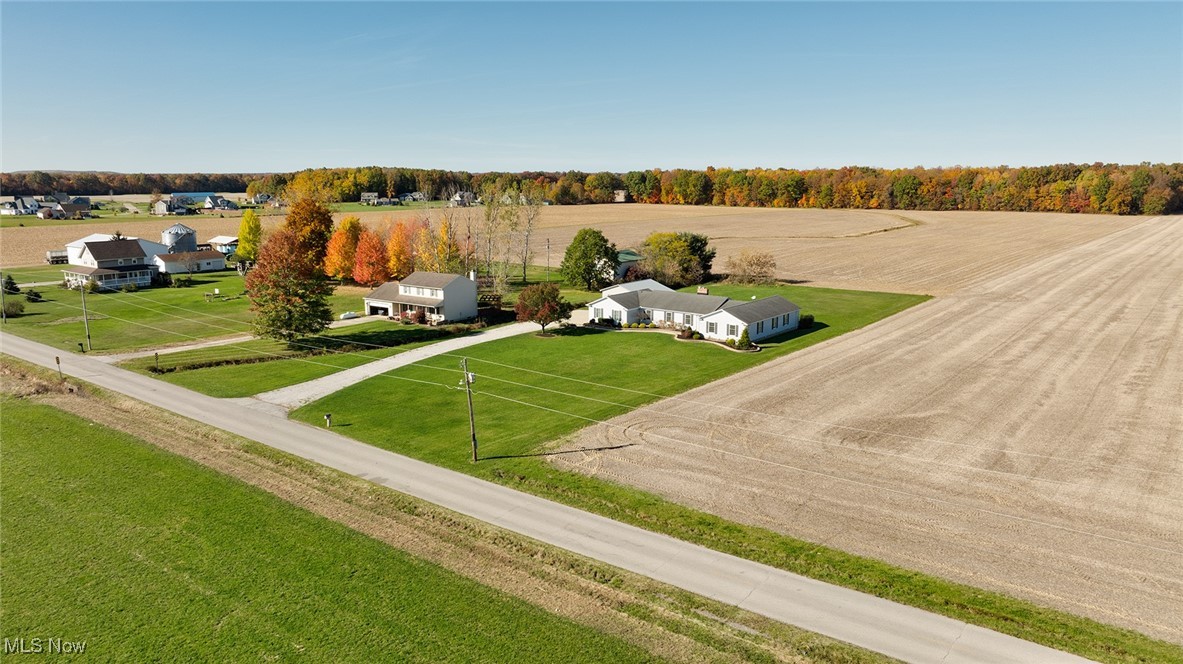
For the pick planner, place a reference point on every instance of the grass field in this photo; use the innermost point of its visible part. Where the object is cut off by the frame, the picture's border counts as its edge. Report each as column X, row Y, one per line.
column 34, row 273
column 639, row 362
column 135, row 551
column 241, row 380
column 414, row 205
column 150, row 316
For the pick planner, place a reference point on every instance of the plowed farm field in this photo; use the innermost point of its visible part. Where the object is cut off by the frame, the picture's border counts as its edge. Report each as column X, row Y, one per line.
column 931, row 253
column 1021, row 433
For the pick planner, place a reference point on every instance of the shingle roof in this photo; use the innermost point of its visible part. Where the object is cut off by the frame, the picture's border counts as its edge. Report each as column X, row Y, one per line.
column 631, row 300
column 430, row 279
column 675, row 301
column 112, row 249
column 387, row 291
column 184, row 256
column 751, row 311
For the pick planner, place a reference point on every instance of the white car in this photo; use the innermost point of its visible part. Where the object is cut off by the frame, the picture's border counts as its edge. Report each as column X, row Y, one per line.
column 350, row 314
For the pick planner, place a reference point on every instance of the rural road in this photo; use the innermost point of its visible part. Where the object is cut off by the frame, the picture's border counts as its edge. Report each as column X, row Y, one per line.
column 294, row 396
column 870, row 622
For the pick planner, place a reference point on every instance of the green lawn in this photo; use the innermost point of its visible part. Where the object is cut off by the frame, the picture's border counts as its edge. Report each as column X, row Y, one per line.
column 641, row 361
column 34, row 273
column 141, row 553
column 241, row 380
column 354, row 206
column 537, row 274
column 151, row 316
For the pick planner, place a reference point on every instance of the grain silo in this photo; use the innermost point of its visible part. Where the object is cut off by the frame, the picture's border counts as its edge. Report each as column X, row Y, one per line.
column 179, row 238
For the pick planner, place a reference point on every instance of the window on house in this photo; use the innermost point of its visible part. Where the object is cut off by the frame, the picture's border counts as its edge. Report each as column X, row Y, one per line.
column 712, row 328
column 774, row 322
column 669, row 316
column 733, row 330
column 616, row 315
column 597, row 313
column 760, row 327
column 418, row 291
column 687, row 319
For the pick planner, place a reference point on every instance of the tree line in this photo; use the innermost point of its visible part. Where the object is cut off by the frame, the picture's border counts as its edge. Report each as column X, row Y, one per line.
column 1083, row 188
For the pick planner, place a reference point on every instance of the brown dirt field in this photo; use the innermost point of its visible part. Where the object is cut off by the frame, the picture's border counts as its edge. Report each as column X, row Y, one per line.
column 582, row 590
column 1024, row 434
column 911, row 252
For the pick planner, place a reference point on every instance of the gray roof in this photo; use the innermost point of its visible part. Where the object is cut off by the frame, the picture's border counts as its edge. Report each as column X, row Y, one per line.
column 388, row 292
column 630, row 300
column 675, row 301
column 430, row 279
column 112, row 249
column 750, row 311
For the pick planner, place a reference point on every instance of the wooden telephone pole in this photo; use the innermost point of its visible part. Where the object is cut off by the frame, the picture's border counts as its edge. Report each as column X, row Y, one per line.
column 85, row 316
column 468, row 378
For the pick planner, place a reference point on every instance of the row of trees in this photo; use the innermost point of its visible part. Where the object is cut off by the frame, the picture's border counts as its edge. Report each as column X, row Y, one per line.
column 674, row 259
column 1104, row 188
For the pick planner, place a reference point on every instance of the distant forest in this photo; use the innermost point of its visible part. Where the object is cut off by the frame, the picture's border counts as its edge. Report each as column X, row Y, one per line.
column 1095, row 188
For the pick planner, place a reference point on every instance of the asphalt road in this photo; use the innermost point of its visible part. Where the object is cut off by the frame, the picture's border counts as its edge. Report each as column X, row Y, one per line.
column 864, row 620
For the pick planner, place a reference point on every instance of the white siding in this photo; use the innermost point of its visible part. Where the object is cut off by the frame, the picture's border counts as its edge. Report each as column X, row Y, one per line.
column 460, row 300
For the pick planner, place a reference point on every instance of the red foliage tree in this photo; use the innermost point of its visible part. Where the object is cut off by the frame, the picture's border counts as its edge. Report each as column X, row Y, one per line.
column 371, row 264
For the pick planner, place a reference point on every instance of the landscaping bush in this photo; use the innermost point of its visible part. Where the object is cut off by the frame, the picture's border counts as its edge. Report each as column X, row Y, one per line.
column 13, row 307
column 744, row 342
column 697, row 336
column 685, row 333
column 805, row 322
column 418, row 317
column 10, row 287
column 730, row 342
column 652, row 326
column 91, row 286
column 33, row 296
column 129, row 288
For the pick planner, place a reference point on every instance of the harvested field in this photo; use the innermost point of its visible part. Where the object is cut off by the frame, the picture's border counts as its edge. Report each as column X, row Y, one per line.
column 930, row 253
column 1023, row 434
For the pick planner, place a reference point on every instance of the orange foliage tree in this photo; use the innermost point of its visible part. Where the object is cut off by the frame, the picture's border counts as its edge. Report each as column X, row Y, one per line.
column 371, row 264
column 339, row 258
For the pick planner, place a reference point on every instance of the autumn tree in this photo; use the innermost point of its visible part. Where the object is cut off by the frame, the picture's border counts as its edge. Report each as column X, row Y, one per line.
column 751, row 267
column 371, row 264
column 590, row 260
column 447, row 250
column 423, row 249
column 250, row 236
column 311, row 223
column 288, row 291
column 400, row 249
column 339, row 258
column 542, row 304
column 668, row 258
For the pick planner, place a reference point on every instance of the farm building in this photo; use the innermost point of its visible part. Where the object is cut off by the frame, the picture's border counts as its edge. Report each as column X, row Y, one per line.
column 715, row 317
column 226, row 244
column 190, row 261
column 443, row 298
column 620, row 196
column 110, row 263
column 178, row 238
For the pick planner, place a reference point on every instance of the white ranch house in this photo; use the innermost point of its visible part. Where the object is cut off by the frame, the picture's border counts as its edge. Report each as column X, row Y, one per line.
column 713, row 316
column 443, row 298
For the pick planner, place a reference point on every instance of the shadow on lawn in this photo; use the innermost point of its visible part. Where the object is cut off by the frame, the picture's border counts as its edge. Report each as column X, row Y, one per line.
column 817, row 326
column 557, row 452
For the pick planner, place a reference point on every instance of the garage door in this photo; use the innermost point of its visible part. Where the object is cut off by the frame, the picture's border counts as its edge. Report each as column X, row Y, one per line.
column 376, row 310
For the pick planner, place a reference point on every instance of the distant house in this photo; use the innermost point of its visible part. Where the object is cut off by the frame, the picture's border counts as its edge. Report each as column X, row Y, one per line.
column 74, row 210
column 80, row 200
column 462, row 199
column 50, row 212
column 225, row 244
column 190, row 261
column 259, row 199
column 190, row 197
column 713, row 316
column 413, row 196
column 441, row 297
column 620, row 196
column 215, row 202
column 368, row 197
column 109, row 263
column 171, row 205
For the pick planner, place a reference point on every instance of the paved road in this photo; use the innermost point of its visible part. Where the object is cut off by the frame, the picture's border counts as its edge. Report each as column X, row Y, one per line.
column 877, row 624
column 294, row 396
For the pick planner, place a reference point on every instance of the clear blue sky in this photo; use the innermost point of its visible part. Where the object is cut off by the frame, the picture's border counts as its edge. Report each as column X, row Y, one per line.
column 269, row 86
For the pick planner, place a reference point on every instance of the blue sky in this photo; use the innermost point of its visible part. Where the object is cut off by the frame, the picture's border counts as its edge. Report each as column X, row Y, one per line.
column 270, row 86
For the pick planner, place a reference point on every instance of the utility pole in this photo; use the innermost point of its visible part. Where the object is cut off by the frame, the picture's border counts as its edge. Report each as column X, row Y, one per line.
column 468, row 378
column 85, row 316
column 548, row 260
column 3, row 310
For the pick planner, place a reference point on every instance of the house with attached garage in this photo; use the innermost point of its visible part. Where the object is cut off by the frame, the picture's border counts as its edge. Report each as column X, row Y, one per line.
column 441, row 297
column 713, row 316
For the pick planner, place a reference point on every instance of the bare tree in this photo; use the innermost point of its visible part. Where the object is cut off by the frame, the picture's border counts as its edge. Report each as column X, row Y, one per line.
column 529, row 212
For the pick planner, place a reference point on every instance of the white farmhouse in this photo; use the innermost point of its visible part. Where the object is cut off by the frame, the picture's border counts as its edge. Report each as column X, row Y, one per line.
column 185, row 262
column 713, row 316
column 443, row 298
column 109, row 263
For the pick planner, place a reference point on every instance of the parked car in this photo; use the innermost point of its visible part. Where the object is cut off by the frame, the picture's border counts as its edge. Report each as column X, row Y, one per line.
column 350, row 314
